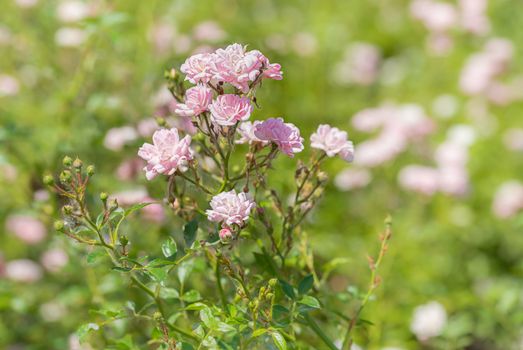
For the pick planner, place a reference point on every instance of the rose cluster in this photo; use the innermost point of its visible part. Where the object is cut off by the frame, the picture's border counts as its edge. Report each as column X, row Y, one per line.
column 220, row 104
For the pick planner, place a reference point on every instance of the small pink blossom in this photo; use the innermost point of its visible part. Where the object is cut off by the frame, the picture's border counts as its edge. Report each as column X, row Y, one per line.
column 230, row 208
column 167, row 154
column 333, row 141
column 197, row 100
column 285, row 135
column 246, row 132
column 236, row 66
column 27, row 228
column 229, row 109
column 199, row 68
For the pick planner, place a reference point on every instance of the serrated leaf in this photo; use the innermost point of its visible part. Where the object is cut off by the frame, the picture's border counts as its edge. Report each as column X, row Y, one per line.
column 279, row 340
column 305, row 284
column 287, row 289
column 169, row 248
column 189, row 232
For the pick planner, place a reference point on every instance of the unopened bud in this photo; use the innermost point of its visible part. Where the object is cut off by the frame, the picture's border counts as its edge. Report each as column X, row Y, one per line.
column 157, row 316
column 48, row 180
column 67, row 161
column 322, row 176
column 161, row 122
column 65, row 176
column 103, row 196
column 59, row 225
column 90, row 170
column 172, row 73
column 269, row 296
column 77, row 164
column 225, row 235
column 123, row 240
column 262, row 290
column 272, row 282
column 67, row 209
column 113, row 204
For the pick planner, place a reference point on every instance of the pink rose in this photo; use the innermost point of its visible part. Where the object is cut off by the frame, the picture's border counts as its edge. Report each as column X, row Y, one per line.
column 229, row 109
column 333, row 141
column 167, row 154
column 246, row 131
column 285, row 135
column 199, row 68
column 230, row 208
column 197, row 100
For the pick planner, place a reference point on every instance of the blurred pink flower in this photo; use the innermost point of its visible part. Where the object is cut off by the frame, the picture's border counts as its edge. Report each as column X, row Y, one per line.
column 129, row 169
column 209, row 31
column 451, row 154
column 473, row 16
column 27, row 228
column 70, row 37
column 508, row 200
column 73, row 11
column 230, row 208
column 162, row 35
column 147, row 127
column 153, row 212
column 9, row 85
column 229, row 109
column 333, row 142
column 26, row 3
column 197, row 100
column 349, row 179
column 380, row 150
column 117, row 138
column 54, row 259
column 422, row 179
column 435, row 15
column 304, row 44
column 285, row 135
column 246, row 132
column 360, row 65
column 428, row 320
column 199, row 68
column 23, row 270
column 453, row 180
column 513, row 139
column 167, row 154
column 371, row 119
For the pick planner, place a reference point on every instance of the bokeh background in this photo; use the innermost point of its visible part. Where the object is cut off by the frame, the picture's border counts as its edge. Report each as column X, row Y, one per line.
column 430, row 91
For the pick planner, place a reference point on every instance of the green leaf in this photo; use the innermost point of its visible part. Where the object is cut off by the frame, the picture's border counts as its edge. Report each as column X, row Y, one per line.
column 287, row 289
column 258, row 332
column 189, row 232
column 225, row 328
column 135, row 207
column 279, row 340
column 169, row 248
column 310, row 301
column 157, row 274
column 169, row 293
column 95, row 256
column 208, row 318
column 85, row 329
column 191, row 296
column 305, row 284
column 121, row 269
column 196, row 306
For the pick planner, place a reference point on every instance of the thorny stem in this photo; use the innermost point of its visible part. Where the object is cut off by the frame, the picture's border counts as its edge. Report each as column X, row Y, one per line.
column 373, row 284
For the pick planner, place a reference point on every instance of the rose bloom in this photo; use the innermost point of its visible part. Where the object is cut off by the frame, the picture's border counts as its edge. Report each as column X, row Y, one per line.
column 197, row 100
column 285, row 135
column 428, row 320
column 199, row 68
column 237, row 67
column 230, row 208
column 333, row 141
column 167, row 154
column 229, row 109
column 27, row 228
column 23, row 270
column 246, row 132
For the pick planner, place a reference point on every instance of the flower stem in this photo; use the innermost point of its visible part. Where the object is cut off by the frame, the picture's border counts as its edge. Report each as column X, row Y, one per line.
column 319, row 332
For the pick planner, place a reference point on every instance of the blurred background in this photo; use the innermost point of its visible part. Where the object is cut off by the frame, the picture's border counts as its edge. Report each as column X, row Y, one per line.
column 431, row 92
